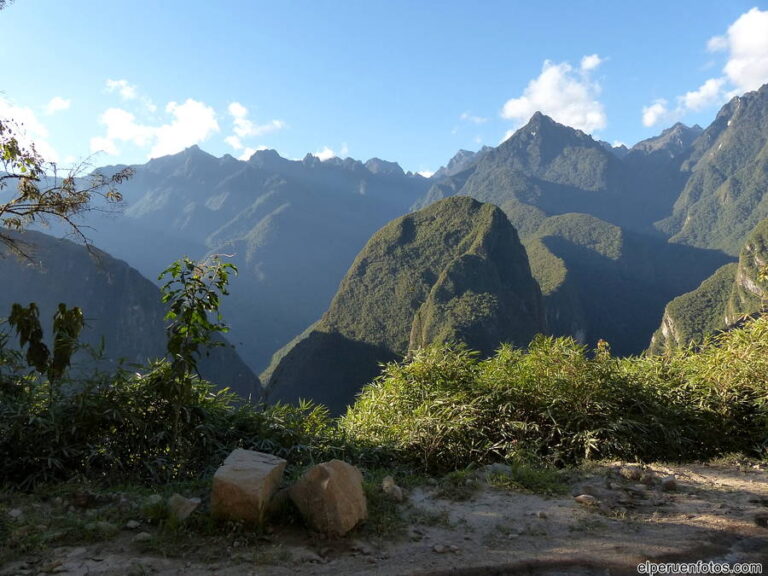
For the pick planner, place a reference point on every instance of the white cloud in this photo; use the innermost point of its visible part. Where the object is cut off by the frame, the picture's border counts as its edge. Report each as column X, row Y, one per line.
column 717, row 44
column 243, row 127
column 591, row 62
column 569, row 96
column 129, row 92
column 126, row 91
column 746, row 43
column 31, row 131
column 467, row 117
column 234, row 142
column 193, row 122
column 57, row 104
column 708, row 94
column 325, row 154
column 190, row 123
column 426, row 173
column 656, row 113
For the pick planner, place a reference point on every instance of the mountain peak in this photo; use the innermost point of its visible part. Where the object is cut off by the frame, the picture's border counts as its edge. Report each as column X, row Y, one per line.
column 379, row 166
column 672, row 141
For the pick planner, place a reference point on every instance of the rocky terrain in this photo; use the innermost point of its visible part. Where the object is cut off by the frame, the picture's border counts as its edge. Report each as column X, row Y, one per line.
column 623, row 515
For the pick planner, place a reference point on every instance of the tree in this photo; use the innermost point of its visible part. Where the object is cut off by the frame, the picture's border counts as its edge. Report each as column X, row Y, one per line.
column 41, row 192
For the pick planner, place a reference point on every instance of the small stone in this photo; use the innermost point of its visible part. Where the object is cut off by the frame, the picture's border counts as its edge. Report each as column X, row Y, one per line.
column 102, row 527
column 132, row 524
column 361, row 548
column 16, row 513
column 455, row 549
column 180, row 507
column 439, row 549
column 153, row 500
column 142, row 537
column 633, row 473
column 391, row 489
column 669, row 483
column 648, row 478
column 304, row 556
column 587, row 500
column 541, row 514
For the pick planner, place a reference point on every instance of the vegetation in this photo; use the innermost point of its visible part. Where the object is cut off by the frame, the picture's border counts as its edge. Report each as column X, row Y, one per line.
column 445, row 409
column 454, row 271
column 41, row 192
column 732, row 293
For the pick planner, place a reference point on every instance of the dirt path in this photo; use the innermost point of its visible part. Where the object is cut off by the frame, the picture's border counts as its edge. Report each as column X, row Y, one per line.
column 715, row 513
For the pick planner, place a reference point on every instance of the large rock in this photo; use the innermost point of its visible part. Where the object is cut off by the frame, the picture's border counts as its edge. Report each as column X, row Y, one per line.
column 330, row 497
column 244, row 484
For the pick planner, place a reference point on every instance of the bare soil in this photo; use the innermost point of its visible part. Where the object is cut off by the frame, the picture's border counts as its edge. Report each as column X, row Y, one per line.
column 717, row 512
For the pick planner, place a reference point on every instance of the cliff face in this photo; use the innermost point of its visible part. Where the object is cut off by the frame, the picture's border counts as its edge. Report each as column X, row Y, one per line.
column 721, row 301
column 122, row 308
column 455, row 271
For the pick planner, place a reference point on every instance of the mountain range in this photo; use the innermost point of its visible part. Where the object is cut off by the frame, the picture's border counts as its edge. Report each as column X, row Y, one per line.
column 610, row 235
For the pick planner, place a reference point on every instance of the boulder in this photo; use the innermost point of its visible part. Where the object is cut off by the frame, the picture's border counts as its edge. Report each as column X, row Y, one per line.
column 244, row 485
column 330, row 497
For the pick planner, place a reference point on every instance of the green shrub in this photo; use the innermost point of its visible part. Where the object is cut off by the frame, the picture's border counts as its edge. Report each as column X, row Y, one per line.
column 443, row 409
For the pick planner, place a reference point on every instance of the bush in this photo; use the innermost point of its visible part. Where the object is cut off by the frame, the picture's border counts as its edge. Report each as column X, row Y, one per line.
column 443, row 409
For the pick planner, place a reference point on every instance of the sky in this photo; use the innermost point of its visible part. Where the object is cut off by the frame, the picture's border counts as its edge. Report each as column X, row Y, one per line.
column 123, row 81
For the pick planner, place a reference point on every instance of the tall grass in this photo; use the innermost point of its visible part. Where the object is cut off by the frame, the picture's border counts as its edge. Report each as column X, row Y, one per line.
column 562, row 403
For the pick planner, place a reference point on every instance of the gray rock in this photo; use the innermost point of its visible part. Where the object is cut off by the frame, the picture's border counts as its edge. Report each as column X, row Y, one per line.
column 180, row 507
column 142, row 537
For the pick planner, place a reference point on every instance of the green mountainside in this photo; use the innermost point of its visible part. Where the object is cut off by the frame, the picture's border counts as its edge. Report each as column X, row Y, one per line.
column 725, row 194
column 455, row 271
column 721, row 301
column 121, row 307
column 602, row 282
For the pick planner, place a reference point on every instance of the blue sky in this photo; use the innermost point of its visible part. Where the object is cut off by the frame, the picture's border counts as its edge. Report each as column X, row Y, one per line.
column 410, row 81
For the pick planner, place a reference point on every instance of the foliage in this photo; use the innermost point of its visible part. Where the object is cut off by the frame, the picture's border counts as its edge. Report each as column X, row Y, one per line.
column 39, row 196
column 443, row 409
column 193, row 291
column 67, row 324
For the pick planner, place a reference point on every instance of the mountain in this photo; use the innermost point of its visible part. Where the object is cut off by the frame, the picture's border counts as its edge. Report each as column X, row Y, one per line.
column 727, row 178
column 455, row 271
column 291, row 227
column 122, row 308
column 461, row 161
column 721, row 301
column 546, row 169
column 600, row 281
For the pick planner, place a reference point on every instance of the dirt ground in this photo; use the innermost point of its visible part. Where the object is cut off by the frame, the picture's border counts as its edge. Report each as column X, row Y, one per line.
column 715, row 512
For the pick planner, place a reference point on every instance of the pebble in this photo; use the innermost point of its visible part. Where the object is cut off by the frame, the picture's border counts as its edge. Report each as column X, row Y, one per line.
column 669, row 483
column 439, row 549
column 132, row 524
column 587, row 500
column 15, row 513
column 142, row 537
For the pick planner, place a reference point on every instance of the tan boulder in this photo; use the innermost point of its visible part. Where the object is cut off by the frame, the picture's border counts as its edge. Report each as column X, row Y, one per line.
column 330, row 497
column 244, row 485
